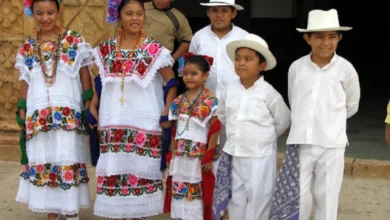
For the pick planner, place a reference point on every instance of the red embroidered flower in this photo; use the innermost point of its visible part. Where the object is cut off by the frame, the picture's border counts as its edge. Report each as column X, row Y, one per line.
column 118, row 135
column 74, row 168
column 52, row 176
column 83, row 166
column 116, row 66
column 68, row 176
column 130, row 140
column 137, row 191
column 65, row 58
column 124, row 182
column 133, row 180
column 104, row 50
column 110, row 192
column 141, row 151
column 66, row 111
column 42, row 121
column 104, row 149
column 26, row 47
column 69, row 39
column 116, row 148
column 111, row 181
column 154, row 141
column 141, row 68
column 112, row 47
column 153, row 49
column 40, row 168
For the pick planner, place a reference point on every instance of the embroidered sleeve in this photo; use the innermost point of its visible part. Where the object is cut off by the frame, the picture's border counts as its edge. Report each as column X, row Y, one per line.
column 25, row 59
column 75, row 53
column 101, row 54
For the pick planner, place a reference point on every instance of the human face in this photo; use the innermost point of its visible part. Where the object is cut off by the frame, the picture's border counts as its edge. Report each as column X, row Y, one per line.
column 193, row 76
column 45, row 15
column 323, row 44
column 221, row 16
column 247, row 64
column 132, row 17
column 162, row 4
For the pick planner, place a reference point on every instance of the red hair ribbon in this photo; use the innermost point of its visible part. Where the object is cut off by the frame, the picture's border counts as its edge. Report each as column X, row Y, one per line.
column 210, row 60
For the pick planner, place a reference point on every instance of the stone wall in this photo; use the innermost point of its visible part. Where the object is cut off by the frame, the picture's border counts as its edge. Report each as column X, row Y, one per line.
column 84, row 16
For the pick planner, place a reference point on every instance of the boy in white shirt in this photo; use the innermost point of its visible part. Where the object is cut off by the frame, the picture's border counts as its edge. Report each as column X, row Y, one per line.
column 212, row 40
column 255, row 115
column 324, row 92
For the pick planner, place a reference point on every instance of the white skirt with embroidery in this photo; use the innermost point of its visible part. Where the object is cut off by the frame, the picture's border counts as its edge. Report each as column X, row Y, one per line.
column 55, row 180
column 186, row 170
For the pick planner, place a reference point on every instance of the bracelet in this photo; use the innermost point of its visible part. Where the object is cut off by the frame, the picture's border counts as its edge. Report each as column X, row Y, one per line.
column 87, row 95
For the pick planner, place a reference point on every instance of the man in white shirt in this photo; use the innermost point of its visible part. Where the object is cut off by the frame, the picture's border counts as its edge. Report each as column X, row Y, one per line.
column 255, row 115
column 324, row 91
column 212, row 40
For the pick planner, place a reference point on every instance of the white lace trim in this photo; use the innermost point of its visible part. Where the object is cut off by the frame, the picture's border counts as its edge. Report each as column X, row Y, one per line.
column 129, row 207
column 129, row 163
column 53, row 200
column 164, row 59
column 185, row 169
column 187, row 210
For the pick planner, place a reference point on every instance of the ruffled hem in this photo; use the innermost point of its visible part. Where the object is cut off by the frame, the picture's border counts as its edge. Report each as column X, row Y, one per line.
column 164, row 59
column 187, row 210
column 129, row 207
column 53, row 200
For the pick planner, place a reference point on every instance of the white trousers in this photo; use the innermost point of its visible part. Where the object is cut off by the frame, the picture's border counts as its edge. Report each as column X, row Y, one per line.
column 252, row 187
column 322, row 170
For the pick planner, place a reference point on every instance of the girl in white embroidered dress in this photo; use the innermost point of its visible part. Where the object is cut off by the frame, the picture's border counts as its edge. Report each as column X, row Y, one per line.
column 55, row 77
column 133, row 69
column 193, row 149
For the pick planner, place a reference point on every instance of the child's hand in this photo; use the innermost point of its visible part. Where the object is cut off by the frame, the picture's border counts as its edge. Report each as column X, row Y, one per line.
column 207, row 167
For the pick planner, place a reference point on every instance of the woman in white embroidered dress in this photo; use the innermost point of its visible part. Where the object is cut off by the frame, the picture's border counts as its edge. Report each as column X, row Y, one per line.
column 133, row 69
column 55, row 83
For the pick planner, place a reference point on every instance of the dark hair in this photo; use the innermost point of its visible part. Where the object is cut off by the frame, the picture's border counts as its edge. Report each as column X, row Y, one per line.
column 259, row 55
column 125, row 2
column 200, row 61
column 55, row 1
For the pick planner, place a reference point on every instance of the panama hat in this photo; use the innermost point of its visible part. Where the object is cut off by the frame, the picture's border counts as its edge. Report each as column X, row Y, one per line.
column 253, row 42
column 320, row 20
column 223, row 3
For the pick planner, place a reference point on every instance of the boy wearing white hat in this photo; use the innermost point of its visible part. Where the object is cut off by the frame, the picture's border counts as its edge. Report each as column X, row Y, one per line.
column 255, row 115
column 212, row 40
column 324, row 91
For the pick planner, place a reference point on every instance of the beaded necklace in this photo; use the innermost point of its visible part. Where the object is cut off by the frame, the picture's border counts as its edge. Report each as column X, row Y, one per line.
column 38, row 50
column 190, row 111
column 118, row 57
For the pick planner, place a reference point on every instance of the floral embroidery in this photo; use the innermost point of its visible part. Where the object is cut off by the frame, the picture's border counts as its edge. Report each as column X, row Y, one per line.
column 127, row 185
column 139, row 65
column 131, row 140
column 69, row 47
column 52, row 175
column 207, row 102
column 69, row 50
column 53, row 118
column 190, row 191
column 190, row 148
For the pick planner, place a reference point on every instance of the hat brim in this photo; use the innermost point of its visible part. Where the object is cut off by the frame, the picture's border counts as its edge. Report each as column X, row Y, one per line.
column 238, row 7
column 324, row 29
column 268, row 56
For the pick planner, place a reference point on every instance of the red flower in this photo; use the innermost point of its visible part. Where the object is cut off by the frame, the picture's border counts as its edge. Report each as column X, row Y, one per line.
column 140, row 151
column 74, row 167
column 104, row 149
column 26, row 47
column 42, row 121
column 116, row 66
column 141, row 68
column 66, row 111
column 116, row 148
column 104, row 50
column 130, row 140
column 110, row 192
column 154, row 141
column 118, row 135
column 111, row 181
column 112, row 47
column 137, row 191
column 52, row 176
column 149, row 60
column 69, row 39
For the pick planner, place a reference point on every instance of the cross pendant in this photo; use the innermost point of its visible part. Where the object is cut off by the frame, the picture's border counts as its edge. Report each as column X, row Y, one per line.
column 121, row 100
